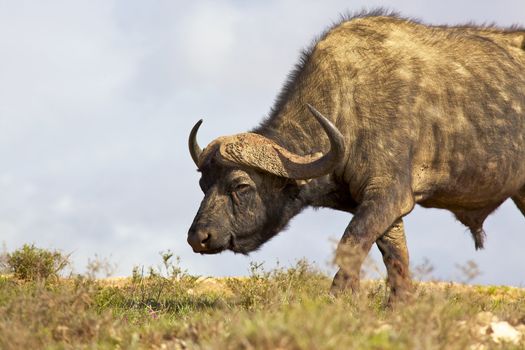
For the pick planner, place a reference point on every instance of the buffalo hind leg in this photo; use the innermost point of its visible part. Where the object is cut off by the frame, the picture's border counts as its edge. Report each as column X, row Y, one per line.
column 519, row 199
column 393, row 247
column 382, row 205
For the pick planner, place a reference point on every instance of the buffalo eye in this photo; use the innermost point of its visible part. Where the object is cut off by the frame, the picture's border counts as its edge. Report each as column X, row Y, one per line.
column 238, row 191
column 241, row 188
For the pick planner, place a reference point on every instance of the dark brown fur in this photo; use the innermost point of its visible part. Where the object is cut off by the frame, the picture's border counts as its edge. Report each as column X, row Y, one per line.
column 430, row 115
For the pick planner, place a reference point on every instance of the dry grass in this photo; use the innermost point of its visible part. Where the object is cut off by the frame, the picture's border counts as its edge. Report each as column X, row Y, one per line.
column 279, row 309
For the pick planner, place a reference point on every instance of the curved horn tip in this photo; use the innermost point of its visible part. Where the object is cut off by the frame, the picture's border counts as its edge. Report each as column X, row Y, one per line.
column 327, row 125
column 196, row 126
column 337, row 141
column 315, row 112
column 195, row 150
column 311, row 108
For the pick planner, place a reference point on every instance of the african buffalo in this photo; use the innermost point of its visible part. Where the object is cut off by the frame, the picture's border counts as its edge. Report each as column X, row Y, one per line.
column 432, row 115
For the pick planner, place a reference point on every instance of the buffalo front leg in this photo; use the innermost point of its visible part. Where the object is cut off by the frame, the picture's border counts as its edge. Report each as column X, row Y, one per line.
column 380, row 209
column 393, row 247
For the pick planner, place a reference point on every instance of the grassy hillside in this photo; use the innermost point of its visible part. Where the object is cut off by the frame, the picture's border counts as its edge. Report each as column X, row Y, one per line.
column 280, row 309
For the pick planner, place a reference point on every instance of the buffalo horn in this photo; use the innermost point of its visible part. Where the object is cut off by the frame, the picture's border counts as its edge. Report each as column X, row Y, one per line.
column 259, row 152
column 326, row 163
column 195, row 150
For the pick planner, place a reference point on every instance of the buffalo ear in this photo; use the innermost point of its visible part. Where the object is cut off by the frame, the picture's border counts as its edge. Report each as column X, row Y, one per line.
column 301, row 182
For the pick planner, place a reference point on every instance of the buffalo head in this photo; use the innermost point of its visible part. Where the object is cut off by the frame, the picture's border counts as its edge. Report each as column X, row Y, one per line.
column 252, row 187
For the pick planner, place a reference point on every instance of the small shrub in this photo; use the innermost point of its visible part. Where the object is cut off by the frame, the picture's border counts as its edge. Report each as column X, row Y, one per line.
column 30, row 263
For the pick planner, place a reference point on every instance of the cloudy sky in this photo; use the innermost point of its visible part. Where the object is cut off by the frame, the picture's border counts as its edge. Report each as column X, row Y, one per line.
column 97, row 99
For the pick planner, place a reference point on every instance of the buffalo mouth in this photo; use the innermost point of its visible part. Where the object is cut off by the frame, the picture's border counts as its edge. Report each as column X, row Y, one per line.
column 219, row 249
column 210, row 251
column 233, row 244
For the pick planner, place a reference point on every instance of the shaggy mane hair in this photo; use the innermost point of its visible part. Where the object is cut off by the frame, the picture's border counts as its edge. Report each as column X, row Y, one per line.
column 304, row 57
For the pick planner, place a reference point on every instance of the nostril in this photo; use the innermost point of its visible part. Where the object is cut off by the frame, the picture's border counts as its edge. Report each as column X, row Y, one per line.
column 206, row 238
column 200, row 239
